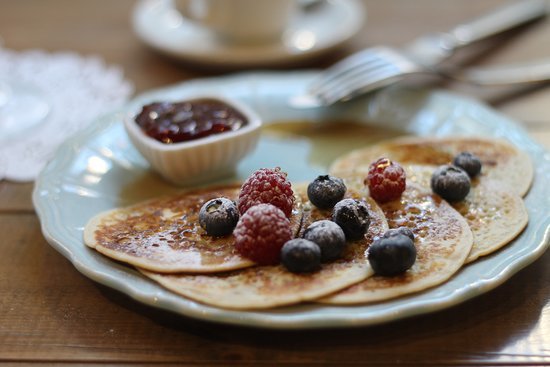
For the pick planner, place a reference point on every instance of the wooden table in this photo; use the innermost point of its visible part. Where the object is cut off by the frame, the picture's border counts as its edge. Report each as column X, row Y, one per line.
column 50, row 313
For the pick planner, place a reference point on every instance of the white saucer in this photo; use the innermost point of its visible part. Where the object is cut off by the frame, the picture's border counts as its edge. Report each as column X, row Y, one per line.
column 314, row 31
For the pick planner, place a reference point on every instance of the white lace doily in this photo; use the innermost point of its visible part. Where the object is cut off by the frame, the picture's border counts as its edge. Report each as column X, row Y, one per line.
column 77, row 89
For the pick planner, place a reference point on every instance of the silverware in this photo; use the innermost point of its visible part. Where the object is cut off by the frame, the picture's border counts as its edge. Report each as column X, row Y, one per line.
column 513, row 74
column 379, row 66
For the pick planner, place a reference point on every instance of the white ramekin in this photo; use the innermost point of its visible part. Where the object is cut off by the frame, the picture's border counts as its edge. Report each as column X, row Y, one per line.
column 202, row 160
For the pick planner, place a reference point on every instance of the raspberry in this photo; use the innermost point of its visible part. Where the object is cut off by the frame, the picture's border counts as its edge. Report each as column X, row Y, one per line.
column 268, row 186
column 386, row 180
column 261, row 233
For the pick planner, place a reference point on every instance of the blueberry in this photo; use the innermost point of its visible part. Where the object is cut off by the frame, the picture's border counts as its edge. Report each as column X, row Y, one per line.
column 325, row 191
column 301, row 256
column 399, row 231
column 392, row 256
column 450, row 182
column 353, row 216
column 218, row 217
column 468, row 162
column 329, row 237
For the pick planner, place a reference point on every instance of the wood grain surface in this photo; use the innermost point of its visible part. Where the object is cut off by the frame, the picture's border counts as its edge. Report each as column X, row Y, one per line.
column 51, row 314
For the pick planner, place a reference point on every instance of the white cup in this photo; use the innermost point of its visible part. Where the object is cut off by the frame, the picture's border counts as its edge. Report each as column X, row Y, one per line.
column 241, row 21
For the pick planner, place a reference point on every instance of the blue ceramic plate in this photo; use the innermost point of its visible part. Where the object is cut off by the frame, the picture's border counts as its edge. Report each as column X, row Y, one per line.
column 99, row 169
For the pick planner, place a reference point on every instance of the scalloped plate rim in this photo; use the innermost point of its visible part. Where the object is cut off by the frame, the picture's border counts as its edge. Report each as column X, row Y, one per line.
column 302, row 316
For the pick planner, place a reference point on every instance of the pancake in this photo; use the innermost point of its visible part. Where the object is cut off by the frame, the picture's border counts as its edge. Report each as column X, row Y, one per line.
column 270, row 286
column 164, row 235
column 494, row 213
column 495, row 216
column 442, row 240
column 501, row 161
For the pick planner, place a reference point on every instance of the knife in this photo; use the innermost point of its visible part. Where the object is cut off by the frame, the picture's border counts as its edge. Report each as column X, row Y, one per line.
column 430, row 50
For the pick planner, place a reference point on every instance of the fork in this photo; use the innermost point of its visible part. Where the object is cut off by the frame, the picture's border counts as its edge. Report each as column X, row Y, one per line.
column 363, row 72
column 380, row 66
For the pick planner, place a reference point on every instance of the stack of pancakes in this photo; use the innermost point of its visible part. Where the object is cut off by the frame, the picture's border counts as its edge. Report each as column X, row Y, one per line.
column 163, row 240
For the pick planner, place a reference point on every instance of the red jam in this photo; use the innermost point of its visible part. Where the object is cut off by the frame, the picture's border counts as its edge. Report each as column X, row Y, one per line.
column 176, row 122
